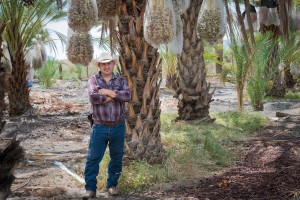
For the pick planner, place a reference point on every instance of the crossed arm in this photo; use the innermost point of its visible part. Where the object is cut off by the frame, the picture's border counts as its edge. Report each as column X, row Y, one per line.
column 101, row 96
column 110, row 94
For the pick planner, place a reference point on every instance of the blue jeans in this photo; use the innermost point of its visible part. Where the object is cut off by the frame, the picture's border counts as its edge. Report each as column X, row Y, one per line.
column 101, row 136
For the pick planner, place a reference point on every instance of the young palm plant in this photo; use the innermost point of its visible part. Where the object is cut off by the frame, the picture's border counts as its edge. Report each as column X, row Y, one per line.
column 257, row 79
column 47, row 73
column 24, row 23
column 240, row 69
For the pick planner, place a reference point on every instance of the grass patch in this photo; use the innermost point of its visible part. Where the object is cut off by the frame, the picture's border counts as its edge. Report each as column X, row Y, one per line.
column 292, row 95
column 244, row 121
column 193, row 150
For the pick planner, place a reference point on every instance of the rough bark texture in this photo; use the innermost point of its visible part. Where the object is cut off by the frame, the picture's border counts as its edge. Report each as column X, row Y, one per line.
column 249, row 20
column 18, row 93
column 141, row 67
column 192, row 89
column 242, row 26
column 3, row 78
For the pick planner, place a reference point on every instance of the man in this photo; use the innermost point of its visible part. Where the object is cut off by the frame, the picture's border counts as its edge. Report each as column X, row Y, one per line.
column 108, row 94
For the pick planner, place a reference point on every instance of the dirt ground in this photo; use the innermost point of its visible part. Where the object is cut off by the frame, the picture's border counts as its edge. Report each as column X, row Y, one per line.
column 56, row 134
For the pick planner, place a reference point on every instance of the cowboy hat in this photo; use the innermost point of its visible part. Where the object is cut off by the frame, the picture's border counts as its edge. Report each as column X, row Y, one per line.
column 104, row 57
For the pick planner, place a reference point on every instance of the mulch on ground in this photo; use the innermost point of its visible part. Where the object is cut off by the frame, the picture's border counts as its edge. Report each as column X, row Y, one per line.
column 268, row 168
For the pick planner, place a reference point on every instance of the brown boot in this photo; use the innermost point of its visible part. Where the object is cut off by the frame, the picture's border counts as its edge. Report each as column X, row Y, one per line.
column 112, row 191
column 89, row 195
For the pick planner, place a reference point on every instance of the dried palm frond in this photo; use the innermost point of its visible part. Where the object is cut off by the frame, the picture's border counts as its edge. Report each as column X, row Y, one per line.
column 131, row 112
column 144, row 109
column 128, row 129
column 139, row 123
column 135, row 98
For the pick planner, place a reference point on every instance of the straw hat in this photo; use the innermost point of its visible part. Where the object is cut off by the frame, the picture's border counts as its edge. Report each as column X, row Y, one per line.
column 104, row 57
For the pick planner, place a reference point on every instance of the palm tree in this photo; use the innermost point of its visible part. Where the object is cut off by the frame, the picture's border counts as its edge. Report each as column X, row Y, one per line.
column 279, row 85
column 24, row 23
column 192, row 89
column 141, row 66
column 3, row 78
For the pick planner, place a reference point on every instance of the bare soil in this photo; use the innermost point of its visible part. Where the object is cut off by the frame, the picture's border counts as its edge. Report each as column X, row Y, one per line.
column 57, row 130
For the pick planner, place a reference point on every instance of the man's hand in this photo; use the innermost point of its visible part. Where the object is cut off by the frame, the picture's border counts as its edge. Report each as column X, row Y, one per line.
column 108, row 99
column 106, row 92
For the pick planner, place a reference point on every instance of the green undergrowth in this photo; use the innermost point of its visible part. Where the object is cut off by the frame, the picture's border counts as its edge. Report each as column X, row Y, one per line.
column 193, row 150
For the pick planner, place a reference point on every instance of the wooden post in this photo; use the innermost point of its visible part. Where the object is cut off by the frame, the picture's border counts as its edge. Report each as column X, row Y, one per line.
column 60, row 71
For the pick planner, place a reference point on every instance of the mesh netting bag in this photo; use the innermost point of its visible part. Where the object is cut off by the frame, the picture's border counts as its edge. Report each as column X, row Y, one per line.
column 295, row 20
column 273, row 17
column 295, row 69
column 80, row 49
column 253, row 17
column 82, row 15
column 211, row 24
column 159, row 22
column 37, row 61
column 106, row 9
column 177, row 43
column 268, row 16
column 263, row 15
column 180, row 6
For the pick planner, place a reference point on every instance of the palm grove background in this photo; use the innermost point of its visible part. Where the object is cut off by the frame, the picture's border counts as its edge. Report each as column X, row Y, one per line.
column 263, row 60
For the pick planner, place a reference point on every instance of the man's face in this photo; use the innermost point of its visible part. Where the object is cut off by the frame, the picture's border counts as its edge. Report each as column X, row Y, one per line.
column 107, row 68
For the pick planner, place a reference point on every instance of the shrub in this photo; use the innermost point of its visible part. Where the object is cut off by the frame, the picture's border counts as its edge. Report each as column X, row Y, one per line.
column 47, row 72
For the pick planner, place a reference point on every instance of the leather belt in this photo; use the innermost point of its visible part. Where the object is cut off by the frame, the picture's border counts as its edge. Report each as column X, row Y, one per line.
column 109, row 123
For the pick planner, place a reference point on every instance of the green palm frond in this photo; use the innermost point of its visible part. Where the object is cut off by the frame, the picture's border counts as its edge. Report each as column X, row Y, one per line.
column 241, row 59
column 257, row 78
column 26, row 22
column 289, row 51
column 261, row 56
column 51, row 42
column 169, row 61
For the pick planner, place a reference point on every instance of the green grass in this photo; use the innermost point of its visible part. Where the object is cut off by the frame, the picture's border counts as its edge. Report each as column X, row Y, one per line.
column 193, row 150
column 292, row 95
column 240, row 120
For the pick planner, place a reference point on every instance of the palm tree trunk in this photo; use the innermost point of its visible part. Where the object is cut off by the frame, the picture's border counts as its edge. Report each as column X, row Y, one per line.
column 141, row 67
column 249, row 20
column 192, row 89
column 240, row 93
column 18, row 93
column 3, row 78
column 220, row 53
column 241, row 23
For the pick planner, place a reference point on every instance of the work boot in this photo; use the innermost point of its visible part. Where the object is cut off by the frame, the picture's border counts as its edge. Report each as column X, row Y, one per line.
column 112, row 191
column 89, row 195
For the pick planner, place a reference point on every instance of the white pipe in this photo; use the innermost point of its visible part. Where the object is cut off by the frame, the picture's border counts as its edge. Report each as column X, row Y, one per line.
column 59, row 164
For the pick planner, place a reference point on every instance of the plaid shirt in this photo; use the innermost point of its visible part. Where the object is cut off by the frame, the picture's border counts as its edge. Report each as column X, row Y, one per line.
column 113, row 110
